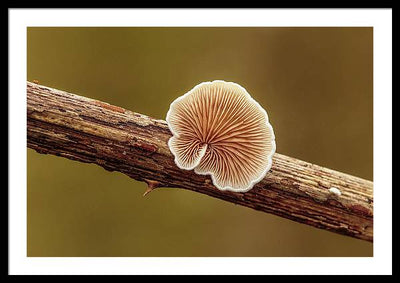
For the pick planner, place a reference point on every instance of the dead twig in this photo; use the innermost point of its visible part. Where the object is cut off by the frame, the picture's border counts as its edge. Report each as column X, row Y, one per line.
column 117, row 139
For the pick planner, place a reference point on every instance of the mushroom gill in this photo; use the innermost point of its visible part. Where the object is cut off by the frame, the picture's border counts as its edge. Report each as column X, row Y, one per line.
column 220, row 130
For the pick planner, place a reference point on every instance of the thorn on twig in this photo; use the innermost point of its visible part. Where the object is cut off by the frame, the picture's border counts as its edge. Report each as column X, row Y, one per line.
column 151, row 185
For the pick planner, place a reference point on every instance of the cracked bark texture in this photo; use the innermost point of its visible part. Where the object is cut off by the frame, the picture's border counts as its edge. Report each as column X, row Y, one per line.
column 88, row 130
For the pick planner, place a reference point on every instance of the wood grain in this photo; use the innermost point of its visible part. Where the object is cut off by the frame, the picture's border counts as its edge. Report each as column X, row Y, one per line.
column 117, row 139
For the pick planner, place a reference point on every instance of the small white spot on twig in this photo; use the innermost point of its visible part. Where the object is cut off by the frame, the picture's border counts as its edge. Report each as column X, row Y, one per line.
column 335, row 191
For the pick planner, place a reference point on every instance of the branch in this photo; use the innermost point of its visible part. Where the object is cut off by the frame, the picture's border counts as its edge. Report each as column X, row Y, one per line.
column 117, row 139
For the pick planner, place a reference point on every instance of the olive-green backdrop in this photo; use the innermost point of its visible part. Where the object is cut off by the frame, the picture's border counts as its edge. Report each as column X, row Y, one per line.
column 315, row 83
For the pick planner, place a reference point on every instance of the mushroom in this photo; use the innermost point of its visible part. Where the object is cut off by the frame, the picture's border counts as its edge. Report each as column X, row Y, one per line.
column 220, row 130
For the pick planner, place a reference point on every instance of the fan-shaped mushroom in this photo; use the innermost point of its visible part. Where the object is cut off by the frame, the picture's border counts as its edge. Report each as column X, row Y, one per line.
column 220, row 130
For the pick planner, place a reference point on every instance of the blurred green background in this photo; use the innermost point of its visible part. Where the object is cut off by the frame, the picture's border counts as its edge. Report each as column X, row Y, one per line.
column 315, row 83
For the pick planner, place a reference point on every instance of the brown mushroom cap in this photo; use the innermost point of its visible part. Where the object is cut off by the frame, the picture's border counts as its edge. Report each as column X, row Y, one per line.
column 218, row 129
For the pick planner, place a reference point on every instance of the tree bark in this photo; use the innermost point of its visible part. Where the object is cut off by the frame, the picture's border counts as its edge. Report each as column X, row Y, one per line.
column 117, row 139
